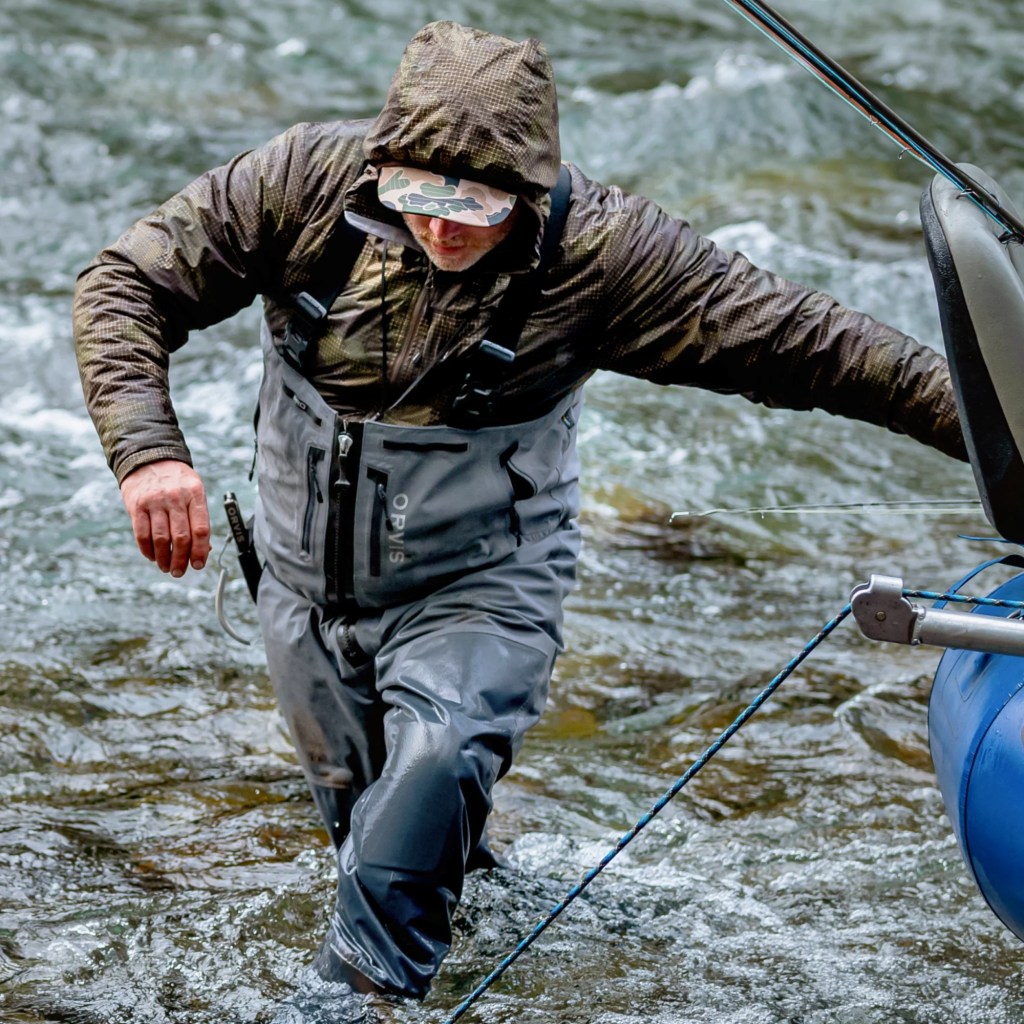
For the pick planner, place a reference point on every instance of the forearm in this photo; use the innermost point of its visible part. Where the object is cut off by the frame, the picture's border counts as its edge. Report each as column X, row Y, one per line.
column 122, row 342
column 828, row 357
column 204, row 254
column 908, row 387
column 193, row 262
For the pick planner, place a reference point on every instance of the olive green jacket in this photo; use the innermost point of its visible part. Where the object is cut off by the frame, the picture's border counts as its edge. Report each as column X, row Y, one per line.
column 631, row 289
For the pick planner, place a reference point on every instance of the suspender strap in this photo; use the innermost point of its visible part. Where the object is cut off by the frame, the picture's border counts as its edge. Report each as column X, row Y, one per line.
column 309, row 315
column 493, row 358
column 521, row 296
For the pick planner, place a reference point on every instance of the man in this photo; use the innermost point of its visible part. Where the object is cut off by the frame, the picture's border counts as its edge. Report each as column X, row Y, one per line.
column 418, row 488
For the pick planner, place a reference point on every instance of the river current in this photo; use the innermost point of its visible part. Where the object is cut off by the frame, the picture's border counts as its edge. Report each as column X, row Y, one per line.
column 160, row 860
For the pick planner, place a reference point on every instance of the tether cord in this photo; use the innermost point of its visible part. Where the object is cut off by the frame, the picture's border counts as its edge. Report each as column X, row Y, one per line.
column 677, row 786
column 384, row 372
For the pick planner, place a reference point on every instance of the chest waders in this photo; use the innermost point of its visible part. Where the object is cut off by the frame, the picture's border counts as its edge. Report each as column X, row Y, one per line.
column 411, row 604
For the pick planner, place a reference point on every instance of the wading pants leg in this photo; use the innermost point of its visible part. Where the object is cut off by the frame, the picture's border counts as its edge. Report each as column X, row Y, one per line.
column 403, row 720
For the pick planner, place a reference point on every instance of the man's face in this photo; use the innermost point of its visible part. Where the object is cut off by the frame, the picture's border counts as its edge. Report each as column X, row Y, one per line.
column 456, row 247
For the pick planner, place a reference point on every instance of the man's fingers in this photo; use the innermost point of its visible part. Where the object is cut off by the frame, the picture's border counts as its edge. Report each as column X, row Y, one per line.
column 167, row 504
column 199, row 523
column 160, row 529
column 181, row 541
column 143, row 533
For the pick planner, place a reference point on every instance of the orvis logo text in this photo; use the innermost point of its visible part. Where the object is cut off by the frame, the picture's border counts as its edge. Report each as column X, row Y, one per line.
column 396, row 533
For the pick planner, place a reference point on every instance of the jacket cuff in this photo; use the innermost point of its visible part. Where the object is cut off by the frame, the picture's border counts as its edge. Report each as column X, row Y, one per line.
column 123, row 466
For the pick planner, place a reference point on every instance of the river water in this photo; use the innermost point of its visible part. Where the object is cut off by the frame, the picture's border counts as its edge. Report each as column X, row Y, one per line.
column 159, row 858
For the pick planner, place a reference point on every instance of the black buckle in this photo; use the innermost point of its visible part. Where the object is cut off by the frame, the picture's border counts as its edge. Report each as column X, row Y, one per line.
column 304, row 325
column 312, row 309
column 475, row 400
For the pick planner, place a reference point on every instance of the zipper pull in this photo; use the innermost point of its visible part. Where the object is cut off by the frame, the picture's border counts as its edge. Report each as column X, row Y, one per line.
column 345, row 441
column 312, row 458
column 382, row 496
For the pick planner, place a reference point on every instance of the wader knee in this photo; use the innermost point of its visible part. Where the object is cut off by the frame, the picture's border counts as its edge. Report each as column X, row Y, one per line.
column 459, row 705
column 401, row 871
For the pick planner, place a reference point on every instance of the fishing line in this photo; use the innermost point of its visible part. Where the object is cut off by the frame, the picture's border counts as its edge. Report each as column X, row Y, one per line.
column 851, row 91
column 693, row 770
column 911, row 506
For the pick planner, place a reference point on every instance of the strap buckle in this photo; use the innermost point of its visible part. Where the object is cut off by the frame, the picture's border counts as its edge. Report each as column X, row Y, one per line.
column 306, row 324
column 475, row 400
column 311, row 308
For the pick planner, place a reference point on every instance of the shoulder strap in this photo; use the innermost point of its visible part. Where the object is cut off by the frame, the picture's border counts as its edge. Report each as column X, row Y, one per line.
column 493, row 357
column 521, row 296
column 312, row 305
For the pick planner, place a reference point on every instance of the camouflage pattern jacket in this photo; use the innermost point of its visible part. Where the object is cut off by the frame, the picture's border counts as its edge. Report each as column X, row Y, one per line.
column 631, row 289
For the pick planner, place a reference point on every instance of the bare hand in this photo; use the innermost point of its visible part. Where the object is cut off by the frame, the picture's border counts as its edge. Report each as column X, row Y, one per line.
column 167, row 504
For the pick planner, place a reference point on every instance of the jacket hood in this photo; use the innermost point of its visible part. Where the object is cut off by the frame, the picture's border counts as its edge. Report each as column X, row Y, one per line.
column 472, row 105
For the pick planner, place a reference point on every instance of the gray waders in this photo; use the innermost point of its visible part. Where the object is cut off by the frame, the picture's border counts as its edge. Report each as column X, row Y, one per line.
column 411, row 606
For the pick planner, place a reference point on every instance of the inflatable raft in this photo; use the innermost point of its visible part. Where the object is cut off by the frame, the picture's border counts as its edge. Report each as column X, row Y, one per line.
column 976, row 735
column 976, row 711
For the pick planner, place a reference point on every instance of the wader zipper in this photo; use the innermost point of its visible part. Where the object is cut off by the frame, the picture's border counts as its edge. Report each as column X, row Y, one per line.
column 379, row 517
column 407, row 353
column 343, row 488
column 314, row 496
column 300, row 404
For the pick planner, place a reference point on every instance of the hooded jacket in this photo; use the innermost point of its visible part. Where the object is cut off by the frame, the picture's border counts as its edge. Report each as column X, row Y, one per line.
column 631, row 289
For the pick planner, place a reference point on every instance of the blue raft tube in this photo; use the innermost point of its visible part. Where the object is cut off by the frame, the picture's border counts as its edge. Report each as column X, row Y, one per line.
column 976, row 709
column 976, row 736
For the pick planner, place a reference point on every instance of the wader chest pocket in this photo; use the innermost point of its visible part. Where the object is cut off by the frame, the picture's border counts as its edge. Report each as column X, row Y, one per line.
column 387, row 524
column 379, row 518
column 433, row 503
column 314, row 495
column 542, row 480
column 427, row 509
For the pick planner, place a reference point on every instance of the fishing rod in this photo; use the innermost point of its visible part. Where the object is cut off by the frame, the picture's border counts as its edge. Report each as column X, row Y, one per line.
column 858, row 96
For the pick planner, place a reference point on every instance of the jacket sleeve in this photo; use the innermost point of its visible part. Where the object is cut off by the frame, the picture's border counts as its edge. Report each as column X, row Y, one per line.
column 688, row 312
column 202, row 256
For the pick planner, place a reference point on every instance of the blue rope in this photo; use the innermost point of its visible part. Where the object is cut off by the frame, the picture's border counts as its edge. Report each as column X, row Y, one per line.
column 662, row 802
column 677, row 786
column 992, row 602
